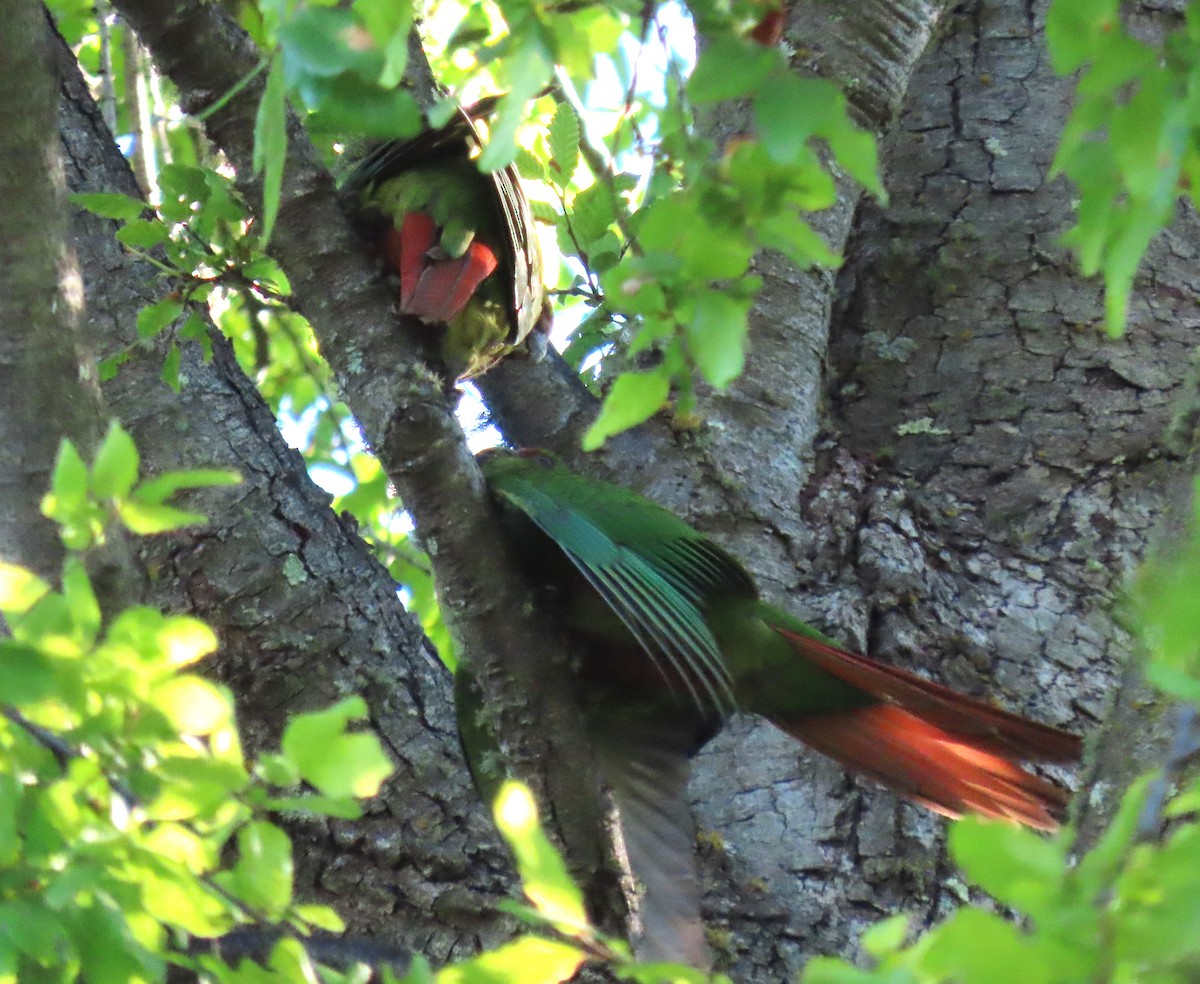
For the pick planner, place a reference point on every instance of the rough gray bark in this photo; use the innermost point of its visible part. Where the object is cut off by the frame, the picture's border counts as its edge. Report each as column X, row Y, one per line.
column 990, row 470
column 304, row 613
column 42, row 396
column 405, row 415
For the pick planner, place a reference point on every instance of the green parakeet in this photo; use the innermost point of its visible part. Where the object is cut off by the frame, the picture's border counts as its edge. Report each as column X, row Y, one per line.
column 461, row 242
column 675, row 638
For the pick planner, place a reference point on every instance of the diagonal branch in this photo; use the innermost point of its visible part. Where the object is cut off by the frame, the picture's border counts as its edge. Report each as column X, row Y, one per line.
column 405, row 415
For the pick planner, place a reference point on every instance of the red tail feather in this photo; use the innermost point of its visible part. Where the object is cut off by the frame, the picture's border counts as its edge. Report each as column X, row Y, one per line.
column 967, row 718
column 430, row 289
column 928, row 765
column 445, row 286
column 407, row 250
column 953, row 753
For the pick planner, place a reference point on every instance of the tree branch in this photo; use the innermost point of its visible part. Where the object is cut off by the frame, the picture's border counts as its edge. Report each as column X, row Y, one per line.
column 46, row 373
column 403, row 411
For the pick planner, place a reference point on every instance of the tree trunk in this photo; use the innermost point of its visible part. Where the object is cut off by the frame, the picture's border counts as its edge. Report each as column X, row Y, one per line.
column 990, row 469
column 304, row 613
column 936, row 456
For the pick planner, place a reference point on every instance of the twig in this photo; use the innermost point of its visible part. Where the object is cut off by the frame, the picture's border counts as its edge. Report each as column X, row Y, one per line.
column 1185, row 742
column 256, row 942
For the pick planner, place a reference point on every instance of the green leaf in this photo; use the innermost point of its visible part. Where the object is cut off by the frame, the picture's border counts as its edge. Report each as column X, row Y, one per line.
column 290, row 961
column 108, row 368
column 1187, row 801
column 81, row 599
column 195, row 329
column 11, row 800
column 20, row 589
column 34, row 929
column 523, row 961
column 50, row 617
column 170, row 368
column 277, row 770
column 270, row 146
column 1172, row 680
column 116, row 467
column 183, row 640
column 1075, row 28
column 146, row 518
column 316, row 44
column 1017, row 866
column 321, row 916
column 143, row 234
column 981, row 947
column 1156, row 898
column 69, row 483
column 153, row 318
column 26, row 673
column 388, row 22
column 193, row 705
column 592, row 213
column 797, row 240
column 182, row 186
column 194, row 788
column 857, row 152
column 1119, row 59
column 178, row 842
column 177, row 640
column 563, row 136
column 669, row 973
column 162, row 487
column 886, row 937
column 830, row 970
column 107, row 952
column 347, row 104
column 339, row 807
column 1097, row 869
column 634, row 397
column 729, row 68
column 529, row 68
column 717, row 334
column 336, row 763
column 108, row 205
column 792, row 109
column 185, row 903
column 268, row 275
column 543, row 872
column 263, row 875
column 1167, row 614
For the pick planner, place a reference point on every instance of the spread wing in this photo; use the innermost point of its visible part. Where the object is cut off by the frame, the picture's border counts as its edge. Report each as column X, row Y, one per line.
column 654, row 571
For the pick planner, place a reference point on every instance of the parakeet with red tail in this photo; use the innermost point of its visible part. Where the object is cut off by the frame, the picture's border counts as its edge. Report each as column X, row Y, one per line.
column 675, row 638
column 462, row 243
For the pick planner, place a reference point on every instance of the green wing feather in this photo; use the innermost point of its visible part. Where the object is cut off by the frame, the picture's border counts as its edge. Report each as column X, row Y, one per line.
column 652, row 569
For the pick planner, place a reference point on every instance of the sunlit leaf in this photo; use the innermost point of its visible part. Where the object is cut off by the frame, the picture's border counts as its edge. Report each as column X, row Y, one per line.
column 527, row 959
column 109, row 205
column 336, row 762
column 543, row 873
column 116, row 467
column 270, row 146
column 193, row 705
column 634, row 397
column 262, row 876
column 20, row 589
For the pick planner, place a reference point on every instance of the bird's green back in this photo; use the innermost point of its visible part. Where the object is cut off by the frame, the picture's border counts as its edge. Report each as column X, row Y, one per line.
column 450, row 190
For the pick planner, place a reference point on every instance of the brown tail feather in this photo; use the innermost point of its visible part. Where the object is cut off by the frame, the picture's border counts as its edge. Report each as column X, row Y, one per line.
column 944, row 772
column 964, row 719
